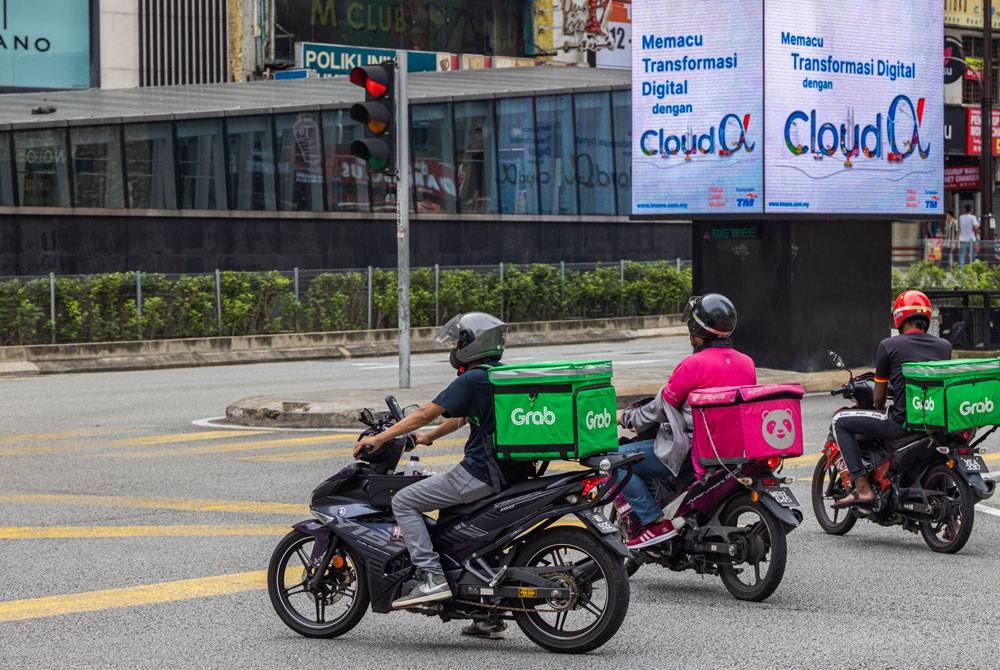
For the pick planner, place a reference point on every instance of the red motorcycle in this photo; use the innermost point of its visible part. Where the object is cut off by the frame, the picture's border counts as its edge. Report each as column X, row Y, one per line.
column 927, row 482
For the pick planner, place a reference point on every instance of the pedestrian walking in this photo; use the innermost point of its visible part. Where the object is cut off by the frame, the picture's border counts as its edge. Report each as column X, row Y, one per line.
column 951, row 237
column 968, row 237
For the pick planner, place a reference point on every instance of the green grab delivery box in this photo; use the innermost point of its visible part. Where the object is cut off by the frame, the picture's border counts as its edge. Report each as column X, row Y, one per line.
column 952, row 395
column 563, row 410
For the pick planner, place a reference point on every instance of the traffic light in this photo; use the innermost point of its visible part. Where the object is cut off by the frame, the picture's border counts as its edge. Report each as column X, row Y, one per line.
column 377, row 114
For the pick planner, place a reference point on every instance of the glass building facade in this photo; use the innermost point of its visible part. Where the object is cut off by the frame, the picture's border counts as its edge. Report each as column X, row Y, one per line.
column 566, row 154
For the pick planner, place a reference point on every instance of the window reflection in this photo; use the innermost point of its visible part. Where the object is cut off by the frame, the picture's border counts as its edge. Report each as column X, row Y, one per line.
column 251, row 163
column 97, row 167
column 595, row 159
column 149, row 166
column 432, row 142
column 42, row 168
column 346, row 175
column 621, row 105
column 475, row 156
column 300, row 162
column 556, row 169
column 518, row 169
column 200, row 167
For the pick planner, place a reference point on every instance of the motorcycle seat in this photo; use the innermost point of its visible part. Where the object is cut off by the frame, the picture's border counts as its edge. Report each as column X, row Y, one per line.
column 533, row 484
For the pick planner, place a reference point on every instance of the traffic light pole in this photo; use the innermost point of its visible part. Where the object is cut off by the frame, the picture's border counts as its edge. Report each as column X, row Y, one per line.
column 403, row 217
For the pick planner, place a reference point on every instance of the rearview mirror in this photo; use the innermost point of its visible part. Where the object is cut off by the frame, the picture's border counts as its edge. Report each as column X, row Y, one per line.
column 409, row 409
column 837, row 361
column 366, row 417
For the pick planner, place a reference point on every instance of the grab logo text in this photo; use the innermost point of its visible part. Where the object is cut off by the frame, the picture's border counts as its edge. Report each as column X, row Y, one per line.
column 602, row 420
column 542, row 417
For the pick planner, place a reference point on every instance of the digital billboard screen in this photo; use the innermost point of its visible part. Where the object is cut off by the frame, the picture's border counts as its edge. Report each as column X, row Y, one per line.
column 697, row 107
column 787, row 107
column 855, row 111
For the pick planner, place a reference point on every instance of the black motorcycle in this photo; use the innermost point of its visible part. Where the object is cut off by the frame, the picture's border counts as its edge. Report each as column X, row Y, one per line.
column 504, row 556
column 927, row 482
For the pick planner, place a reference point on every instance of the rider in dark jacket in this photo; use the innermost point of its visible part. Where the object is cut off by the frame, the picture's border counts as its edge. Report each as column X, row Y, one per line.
column 911, row 314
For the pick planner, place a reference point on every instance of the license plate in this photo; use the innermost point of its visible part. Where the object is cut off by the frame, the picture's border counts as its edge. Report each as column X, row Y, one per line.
column 600, row 522
column 972, row 464
column 784, row 496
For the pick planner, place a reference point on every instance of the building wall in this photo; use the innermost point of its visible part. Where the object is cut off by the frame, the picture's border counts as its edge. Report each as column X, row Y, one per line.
column 32, row 245
column 119, row 43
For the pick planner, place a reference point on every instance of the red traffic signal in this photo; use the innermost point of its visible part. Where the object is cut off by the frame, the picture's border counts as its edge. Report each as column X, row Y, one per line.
column 376, row 114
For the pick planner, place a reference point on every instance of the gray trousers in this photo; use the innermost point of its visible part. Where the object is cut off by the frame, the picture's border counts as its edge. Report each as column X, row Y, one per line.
column 455, row 487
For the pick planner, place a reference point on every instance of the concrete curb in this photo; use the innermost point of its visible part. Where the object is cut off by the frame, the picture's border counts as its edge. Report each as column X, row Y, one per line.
column 320, row 411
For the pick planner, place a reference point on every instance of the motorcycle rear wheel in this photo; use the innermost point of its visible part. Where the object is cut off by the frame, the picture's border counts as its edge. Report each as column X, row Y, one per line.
column 288, row 575
column 599, row 604
column 833, row 521
column 741, row 512
column 950, row 535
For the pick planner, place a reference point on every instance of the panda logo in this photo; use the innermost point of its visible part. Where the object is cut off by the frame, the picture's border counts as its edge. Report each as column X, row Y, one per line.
column 778, row 429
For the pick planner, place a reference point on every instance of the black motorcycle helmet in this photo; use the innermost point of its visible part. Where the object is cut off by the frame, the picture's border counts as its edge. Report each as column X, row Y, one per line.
column 710, row 316
column 475, row 337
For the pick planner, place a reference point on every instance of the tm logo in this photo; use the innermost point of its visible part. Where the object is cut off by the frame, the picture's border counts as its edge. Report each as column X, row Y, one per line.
column 931, row 204
column 747, row 200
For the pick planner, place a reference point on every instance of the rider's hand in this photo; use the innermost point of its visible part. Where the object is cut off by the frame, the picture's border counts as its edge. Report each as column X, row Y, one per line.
column 618, row 420
column 423, row 438
column 372, row 443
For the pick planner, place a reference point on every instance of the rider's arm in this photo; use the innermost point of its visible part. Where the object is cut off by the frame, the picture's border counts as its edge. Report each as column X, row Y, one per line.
column 418, row 418
column 446, row 428
column 880, row 393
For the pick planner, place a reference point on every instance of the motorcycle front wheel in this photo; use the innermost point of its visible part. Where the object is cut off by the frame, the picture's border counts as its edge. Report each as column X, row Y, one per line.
column 335, row 607
column 597, row 579
column 765, row 550
column 952, row 493
column 827, row 487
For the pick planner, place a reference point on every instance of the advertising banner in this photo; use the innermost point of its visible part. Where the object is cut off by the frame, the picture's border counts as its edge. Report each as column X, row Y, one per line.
column 45, row 44
column 955, row 129
column 974, row 131
column 697, row 108
column 619, row 55
column 853, row 125
column 962, row 177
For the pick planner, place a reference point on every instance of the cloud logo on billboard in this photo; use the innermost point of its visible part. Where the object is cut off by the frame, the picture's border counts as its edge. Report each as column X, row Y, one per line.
column 729, row 138
column 851, row 139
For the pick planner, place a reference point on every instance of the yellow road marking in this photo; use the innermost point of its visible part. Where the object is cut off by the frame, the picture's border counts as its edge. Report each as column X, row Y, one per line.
column 91, row 532
column 131, row 442
column 132, row 502
column 38, row 437
column 150, row 594
column 240, row 446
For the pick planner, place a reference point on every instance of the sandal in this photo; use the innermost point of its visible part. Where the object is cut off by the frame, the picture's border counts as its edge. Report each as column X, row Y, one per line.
column 850, row 500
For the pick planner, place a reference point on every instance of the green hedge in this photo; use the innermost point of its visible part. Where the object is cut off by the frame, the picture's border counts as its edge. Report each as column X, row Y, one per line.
column 103, row 308
column 927, row 275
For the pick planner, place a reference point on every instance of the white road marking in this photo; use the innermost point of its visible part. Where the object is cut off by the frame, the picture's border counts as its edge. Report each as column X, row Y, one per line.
column 993, row 511
column 215, row 422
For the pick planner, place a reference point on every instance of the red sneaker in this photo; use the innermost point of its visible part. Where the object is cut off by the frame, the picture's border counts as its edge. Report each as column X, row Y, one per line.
column 654, row 533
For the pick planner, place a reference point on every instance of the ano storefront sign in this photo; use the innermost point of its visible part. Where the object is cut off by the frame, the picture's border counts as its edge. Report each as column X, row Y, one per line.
column 961, row 177
column 45, row 44
column 328, row 60
column 974, row 134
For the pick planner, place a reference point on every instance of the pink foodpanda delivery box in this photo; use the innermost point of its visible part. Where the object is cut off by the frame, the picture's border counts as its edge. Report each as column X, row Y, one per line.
column 736, row 424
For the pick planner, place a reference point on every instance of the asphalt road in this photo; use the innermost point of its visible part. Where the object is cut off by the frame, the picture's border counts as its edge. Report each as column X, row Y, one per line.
column 131, row 538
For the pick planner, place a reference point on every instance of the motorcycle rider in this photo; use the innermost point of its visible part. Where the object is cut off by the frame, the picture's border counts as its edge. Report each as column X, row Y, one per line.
column 711, row 320
column 911, row 315
column 477, row 341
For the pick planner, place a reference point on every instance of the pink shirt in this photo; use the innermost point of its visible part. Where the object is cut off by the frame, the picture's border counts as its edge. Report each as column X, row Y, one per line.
column 715, row 366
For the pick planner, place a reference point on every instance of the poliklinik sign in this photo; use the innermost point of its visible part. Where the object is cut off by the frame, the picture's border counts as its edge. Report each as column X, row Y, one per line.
column 45, row 44
column 775, row 106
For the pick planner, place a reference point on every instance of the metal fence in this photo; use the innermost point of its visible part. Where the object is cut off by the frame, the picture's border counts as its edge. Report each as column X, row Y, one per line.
column 141, row 305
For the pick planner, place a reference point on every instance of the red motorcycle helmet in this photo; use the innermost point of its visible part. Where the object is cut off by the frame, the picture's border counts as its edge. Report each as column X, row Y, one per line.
column 910, row 304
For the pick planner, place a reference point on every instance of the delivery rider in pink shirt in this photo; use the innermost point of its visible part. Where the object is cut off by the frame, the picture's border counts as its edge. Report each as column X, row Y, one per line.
column 711, row 320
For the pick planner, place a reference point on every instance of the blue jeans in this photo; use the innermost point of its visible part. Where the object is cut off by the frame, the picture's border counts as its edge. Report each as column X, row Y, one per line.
column 636, row 491
column 966, row 252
